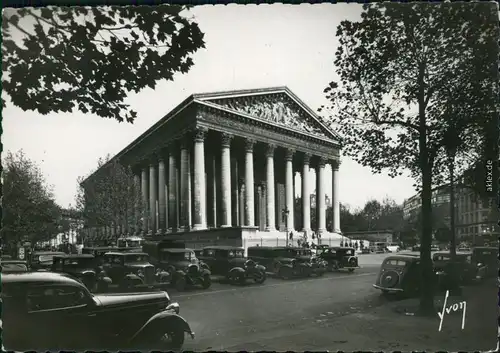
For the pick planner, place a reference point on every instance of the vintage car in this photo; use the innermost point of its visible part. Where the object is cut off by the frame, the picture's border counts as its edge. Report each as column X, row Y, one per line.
column 14, row 266
column 52, row 311
column 467, row 271
column 129, row 269
column 321, row 248
column 287, row 262
column 99, row 251
column 182, row 265
column 399, row 274
column 85, row 267
column 131, row 242
column 340, row 258
column 488, row 257
column 42, row 260
column 230, row 261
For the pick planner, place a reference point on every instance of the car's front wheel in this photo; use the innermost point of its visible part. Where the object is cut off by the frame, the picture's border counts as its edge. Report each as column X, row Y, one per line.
column 206, row 282
column 173, row 340
column 259, row 277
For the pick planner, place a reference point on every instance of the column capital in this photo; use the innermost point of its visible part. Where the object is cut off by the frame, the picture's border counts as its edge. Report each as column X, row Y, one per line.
column 225, row 139
column 270, row 150
column 335, row 164
column 200, row 133
column 249, row 143
column 306, row 158
column 321, row 162
column 289, row 154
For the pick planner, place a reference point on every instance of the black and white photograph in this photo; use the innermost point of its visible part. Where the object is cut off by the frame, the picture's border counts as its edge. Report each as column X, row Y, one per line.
column 259, row 177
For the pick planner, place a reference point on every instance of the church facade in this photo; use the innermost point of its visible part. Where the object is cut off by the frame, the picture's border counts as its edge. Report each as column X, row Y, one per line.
column 225, row 163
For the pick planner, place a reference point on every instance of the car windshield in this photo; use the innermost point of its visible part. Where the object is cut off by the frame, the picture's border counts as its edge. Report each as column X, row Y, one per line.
column 180, row 256
column 79, row 262
column 136, row 258
column 236, row 253
column 14, row 267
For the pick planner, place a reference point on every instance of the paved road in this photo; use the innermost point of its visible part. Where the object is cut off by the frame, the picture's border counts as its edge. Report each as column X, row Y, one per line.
column 271, row 316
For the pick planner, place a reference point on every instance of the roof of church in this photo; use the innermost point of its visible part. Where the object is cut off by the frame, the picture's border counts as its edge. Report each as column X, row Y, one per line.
column 210, row 99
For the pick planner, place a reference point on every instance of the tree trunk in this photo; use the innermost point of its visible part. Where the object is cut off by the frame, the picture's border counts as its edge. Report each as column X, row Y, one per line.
column 427, row 271
column 453, row 242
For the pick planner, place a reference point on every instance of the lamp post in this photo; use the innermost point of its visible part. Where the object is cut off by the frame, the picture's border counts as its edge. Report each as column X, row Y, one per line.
column 284, row 214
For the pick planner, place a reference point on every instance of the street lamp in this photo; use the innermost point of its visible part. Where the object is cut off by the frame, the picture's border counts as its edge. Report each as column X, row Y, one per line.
column 284, row 214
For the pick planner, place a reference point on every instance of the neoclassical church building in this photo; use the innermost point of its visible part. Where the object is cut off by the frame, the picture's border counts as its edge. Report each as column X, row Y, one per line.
column 221, row 167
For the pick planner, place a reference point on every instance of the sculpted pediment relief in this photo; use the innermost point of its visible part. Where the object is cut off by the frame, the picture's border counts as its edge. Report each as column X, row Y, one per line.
column 277, row 108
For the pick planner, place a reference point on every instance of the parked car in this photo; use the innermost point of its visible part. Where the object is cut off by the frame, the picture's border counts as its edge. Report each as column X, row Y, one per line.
column 487, row 257
column 321, row 248
column 399, row 274
column 287, row 262
column 14, row 266
column 130, row 269
column 230, row 261
column 466, row 270
column 184, row 267
column 415, row 247
column 85, row 267
column 52, row 311
column 340, row 258
column 393, row 247
column 365, row 250
column 435, row 248
column 42, row 260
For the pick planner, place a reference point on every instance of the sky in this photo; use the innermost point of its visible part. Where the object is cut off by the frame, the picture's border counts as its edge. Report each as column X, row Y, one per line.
column 247, row 46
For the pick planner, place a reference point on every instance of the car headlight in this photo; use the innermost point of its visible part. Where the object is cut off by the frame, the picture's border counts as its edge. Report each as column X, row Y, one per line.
column 140, row 273
column 479, row 264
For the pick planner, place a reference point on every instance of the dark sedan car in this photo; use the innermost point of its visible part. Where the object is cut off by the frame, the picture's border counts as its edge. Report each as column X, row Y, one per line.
column 50, row 311
column 84, row 267
column 42, row 260
column 130, row 269
column 230, row 261
column 399, row 274
column 340, row 258
column 14, row 266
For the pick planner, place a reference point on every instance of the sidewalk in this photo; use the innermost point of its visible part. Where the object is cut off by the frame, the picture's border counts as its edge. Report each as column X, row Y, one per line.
column 395, row 326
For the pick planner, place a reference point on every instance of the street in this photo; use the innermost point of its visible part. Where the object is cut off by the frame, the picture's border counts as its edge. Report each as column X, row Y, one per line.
column 271, row 316
column 340, row 311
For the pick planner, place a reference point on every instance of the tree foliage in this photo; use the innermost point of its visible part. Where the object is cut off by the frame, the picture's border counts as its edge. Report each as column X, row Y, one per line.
column 29, row 209
column 110, row 197
column 415, row 80
column 91, row 58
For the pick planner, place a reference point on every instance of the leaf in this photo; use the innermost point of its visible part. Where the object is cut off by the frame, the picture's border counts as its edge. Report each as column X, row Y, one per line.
column 121, row 45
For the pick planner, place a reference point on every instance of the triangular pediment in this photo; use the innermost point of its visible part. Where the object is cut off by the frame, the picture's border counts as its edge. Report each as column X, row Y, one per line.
column 278, row 106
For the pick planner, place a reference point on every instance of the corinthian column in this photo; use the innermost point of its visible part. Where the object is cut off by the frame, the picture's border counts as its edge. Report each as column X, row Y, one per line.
column 235, row 193
column 172, row 189
column 249, row 185
column 271, row 222
column 144, row 192
column 306, row 196
column 185, row 180
column 137, row 202
column 152, row 196
column 200, row 200
column 161, row 195
column 226, row 180
column 289, row 197
column 335, row 197
column 320, row 196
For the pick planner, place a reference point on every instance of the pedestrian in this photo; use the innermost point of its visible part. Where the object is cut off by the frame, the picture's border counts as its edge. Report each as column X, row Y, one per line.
column 291, row 235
